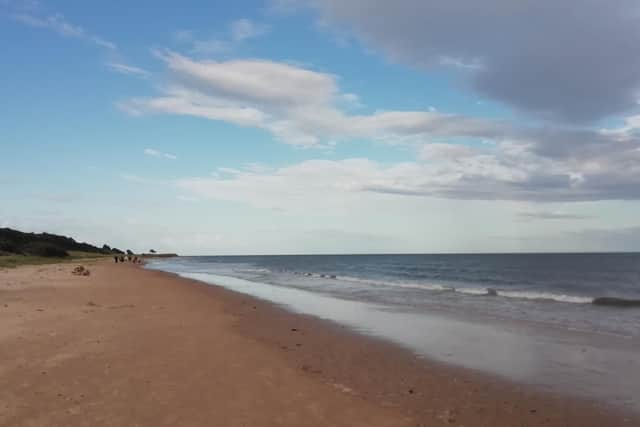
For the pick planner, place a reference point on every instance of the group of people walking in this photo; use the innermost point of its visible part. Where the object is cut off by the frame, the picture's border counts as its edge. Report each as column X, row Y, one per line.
column 127, row 258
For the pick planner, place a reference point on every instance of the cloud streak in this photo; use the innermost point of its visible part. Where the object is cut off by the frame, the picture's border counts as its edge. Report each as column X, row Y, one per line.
column 245, row 29
column 59, row 24
column 126, row 69
column 551, row 215
column 159, row 154
column 239, row 31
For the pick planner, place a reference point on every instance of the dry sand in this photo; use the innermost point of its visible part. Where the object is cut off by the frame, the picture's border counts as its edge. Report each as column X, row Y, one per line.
column 131, row 347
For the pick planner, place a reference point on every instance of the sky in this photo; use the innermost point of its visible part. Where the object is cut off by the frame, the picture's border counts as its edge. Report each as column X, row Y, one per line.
column 323, row 126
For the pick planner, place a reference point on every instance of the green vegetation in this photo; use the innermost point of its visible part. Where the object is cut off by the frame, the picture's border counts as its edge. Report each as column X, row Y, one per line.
column 18, row 248
column 16, row 260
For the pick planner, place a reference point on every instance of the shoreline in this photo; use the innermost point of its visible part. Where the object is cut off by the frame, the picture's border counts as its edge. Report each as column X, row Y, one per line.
column 343, row 368
column 389, row 356
column 581, row 364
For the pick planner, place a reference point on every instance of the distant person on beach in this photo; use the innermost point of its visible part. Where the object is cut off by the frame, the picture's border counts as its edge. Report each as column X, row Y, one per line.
column 116, row 258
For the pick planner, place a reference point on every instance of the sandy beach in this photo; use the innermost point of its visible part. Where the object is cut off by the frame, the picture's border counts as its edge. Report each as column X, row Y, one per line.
column 129, row 346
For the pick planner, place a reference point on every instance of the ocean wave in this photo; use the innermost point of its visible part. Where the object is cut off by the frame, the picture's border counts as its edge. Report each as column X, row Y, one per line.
column 548, row 296
column 407, row 285
column 252, row 270
column 491, row 292
column 532, row 295
column 476, row 291
column 471, row 291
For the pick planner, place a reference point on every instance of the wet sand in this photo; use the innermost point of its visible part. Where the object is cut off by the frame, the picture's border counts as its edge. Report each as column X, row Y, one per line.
column 128, row 346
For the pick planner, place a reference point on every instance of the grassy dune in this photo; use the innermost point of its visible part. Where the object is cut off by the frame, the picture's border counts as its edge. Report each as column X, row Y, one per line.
column 14, row 260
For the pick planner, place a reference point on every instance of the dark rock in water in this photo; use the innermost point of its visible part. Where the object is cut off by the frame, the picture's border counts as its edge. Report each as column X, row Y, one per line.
column 616, row 302
column 492, row 292
column 333, row 276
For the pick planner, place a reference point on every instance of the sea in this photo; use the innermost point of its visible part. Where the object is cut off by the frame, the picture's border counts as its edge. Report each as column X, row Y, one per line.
column 567, row 323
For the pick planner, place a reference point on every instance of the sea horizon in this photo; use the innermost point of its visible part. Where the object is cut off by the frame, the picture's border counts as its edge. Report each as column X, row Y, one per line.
column 415, row 253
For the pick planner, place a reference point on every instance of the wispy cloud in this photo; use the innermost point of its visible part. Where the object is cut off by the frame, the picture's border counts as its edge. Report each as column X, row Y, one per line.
column 551, row 215
column 199, row 45
column 21, row 4
column 59, row 24
column 137, row 179
column 244, row 29
column 128, row 69
column 155, row 153
column 238, row 32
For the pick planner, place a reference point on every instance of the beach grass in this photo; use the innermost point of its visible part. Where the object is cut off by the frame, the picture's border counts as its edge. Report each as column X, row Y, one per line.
column 16, row 260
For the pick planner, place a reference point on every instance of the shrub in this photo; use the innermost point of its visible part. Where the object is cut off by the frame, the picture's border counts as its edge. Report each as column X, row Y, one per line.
column 8, row 246
column 44, row 250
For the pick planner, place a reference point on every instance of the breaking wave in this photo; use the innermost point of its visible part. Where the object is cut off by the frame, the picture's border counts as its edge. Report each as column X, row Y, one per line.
column 490, row 292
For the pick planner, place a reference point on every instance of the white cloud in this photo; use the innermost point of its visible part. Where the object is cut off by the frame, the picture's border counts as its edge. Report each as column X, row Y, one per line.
column 314, row 186
column 297, row 105
column 629, row 129
column 127, row 69
column 155, row 153
column 61, row 26
column 502, row 171
column 301, row 107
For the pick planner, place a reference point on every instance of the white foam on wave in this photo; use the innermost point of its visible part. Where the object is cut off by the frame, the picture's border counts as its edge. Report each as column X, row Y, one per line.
column 527, row 295
column 473, row 291
column 394, row 284
column 531, row 295
column 435, row 287
column 252, row 270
